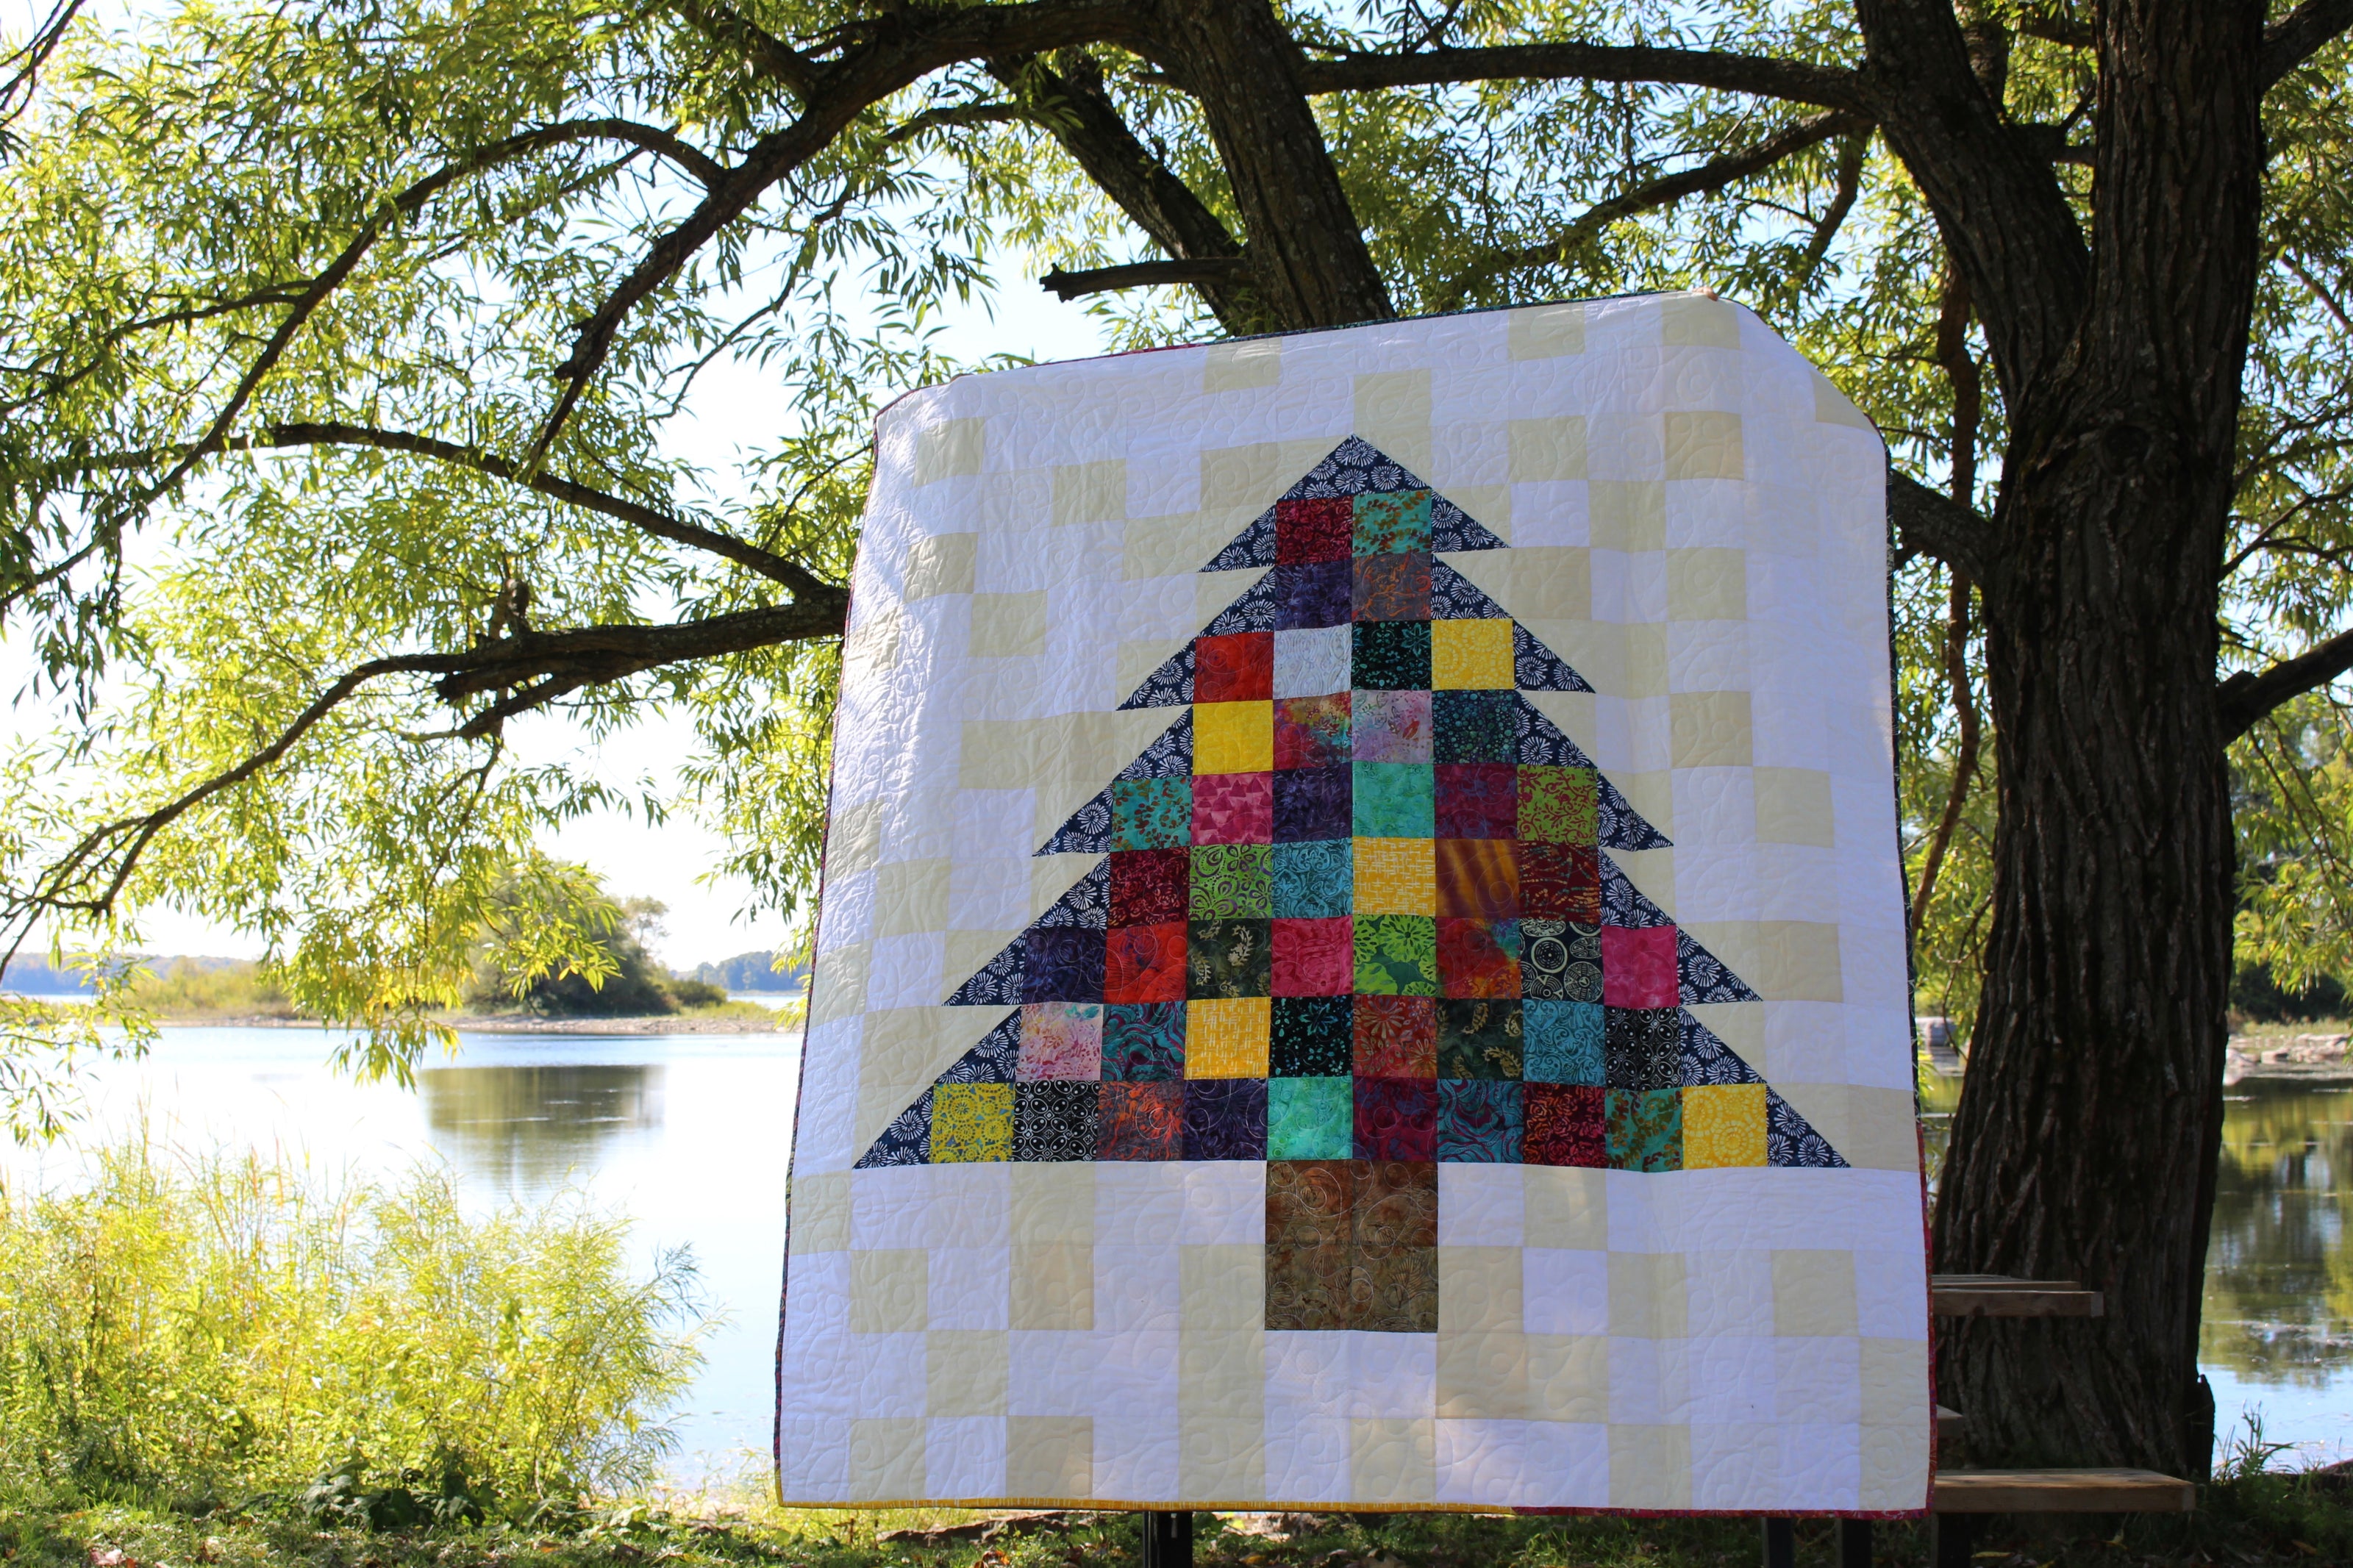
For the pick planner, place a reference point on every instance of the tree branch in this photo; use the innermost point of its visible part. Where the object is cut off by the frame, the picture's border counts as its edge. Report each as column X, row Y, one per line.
column 2301, row 34
column 538, row 666
column 1209, row 269
column 770, row 54
column 2247, row 696
column 1712, row 175
column 1072, row 105
column 897, row 49
column 707, row 170
column 1826, row 86
column 1935, row 524
column 805, row 584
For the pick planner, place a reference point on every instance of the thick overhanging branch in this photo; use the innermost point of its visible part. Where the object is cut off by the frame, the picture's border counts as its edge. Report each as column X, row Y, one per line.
column 1070, row 101
column 1826, row 86
column 2301, row 34
column 1712, row 175
column 805, row 585
column 2247, row 696
column 1930, row 522
column 533, row 668
column 1209, row 269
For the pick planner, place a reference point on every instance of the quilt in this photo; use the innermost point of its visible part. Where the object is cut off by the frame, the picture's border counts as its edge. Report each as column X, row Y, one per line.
column 1362, row 955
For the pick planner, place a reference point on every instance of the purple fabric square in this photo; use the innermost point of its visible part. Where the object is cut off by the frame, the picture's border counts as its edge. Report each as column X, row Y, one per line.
column 1397, row 1119
column 1224, row 1119
column 1311, row 593
column 1310, row 804
column 1062, row 964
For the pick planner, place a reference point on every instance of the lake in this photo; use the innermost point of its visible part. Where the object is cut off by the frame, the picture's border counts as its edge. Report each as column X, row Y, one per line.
column 690, row 1135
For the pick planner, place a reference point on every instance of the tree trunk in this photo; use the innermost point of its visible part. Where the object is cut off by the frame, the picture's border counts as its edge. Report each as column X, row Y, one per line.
column 1306, row 249
column 2089, row 1126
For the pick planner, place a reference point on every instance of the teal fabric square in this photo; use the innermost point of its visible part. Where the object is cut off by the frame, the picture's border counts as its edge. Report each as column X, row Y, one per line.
column 1394, row 800
column 1229, row 882
column 1151, row 813
column 1314, row 882
column 1390, row 522
column 1645, row 1129
column 1397, row 955
column 1564, row 1042
column 1310, row 1118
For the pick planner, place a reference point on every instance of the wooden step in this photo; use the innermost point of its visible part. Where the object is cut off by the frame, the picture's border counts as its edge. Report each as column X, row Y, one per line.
column 2061, row 1491
column 1950, row 1422
column 2000, row 1295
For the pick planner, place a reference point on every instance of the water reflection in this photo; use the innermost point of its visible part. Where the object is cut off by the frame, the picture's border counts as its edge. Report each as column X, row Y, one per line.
column 524, row 1130
column 2279, row 1282
column 2279, row 1286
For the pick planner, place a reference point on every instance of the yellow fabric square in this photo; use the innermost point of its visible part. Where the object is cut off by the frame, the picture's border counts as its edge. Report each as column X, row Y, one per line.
column 1471, row 655
column 1227, row 1036
column 972, row 1121
column 1233, row 737
column 1396, row 876
column 1724, row 1124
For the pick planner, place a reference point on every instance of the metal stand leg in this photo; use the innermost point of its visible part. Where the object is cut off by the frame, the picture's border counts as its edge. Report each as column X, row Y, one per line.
column 1781, row 1543
column 1854, row 1543
column 1956, row 1536
column 1168, row 1540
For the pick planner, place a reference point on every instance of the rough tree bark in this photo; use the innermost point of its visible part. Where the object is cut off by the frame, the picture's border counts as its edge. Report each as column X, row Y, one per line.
column 2088, row 1128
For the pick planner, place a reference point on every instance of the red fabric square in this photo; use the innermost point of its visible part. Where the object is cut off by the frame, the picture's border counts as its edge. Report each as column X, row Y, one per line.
column 1397, row 1119
column 1638, row 967
column 1148, row 886
column 1479, row 879
column 1563, row 1125
column 1315, row 958
column 1397, row 1037
column 1233, row 809
column 1476, row 958
column 1141, row 1122
column 1478, row 800
column 1237, row 668
column 1560, row 882
column 1145, row 963
column 1314, row 530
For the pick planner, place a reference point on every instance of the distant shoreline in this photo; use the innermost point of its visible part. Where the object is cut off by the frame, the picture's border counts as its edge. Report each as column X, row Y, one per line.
column 656, row 1023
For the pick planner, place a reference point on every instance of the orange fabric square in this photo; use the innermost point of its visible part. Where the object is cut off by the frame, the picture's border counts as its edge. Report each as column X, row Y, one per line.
column 1145, row 963
column 1397, row 1037
column 1479, row 879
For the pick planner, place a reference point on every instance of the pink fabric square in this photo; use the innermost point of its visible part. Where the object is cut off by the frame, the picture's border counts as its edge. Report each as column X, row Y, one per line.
column 1233, row 809
column 1315, row 958
column 1059, row 1040
column 1638, row 967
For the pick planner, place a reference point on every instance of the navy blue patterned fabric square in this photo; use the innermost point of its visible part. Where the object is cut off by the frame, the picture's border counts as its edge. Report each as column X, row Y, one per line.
column 1062, row 964
column 1224, row 1119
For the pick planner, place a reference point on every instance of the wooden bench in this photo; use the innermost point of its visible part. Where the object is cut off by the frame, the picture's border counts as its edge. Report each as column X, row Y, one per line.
column 1957, row 1496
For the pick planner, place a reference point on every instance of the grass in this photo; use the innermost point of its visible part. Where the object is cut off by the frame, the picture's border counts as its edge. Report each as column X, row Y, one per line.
column 2247, row 1519
column 204, row 1330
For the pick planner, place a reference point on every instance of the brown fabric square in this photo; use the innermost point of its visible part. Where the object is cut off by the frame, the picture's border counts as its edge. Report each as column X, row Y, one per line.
column 1391, row 587
column 1479, row 879
column 1352, row 1244
column 1307, row 1243
column 1393, row 1224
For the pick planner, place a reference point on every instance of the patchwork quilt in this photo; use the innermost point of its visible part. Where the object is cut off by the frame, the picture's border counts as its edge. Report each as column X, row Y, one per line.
column 1362, row 955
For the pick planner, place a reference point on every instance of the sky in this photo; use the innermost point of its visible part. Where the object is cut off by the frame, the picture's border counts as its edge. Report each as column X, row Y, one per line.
column 733, row 407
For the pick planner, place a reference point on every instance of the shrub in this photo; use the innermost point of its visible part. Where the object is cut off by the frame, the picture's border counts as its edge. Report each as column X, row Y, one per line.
column 211, row 1326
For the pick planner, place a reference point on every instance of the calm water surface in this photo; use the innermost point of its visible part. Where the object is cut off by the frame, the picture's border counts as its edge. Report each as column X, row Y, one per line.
column 690, row 1135
column 2278, row 1336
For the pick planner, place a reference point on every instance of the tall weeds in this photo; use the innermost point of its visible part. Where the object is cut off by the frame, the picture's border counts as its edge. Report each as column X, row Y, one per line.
column 210, row 1326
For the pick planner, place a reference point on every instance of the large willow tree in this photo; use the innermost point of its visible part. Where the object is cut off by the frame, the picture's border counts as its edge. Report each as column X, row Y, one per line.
column 337, row 339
